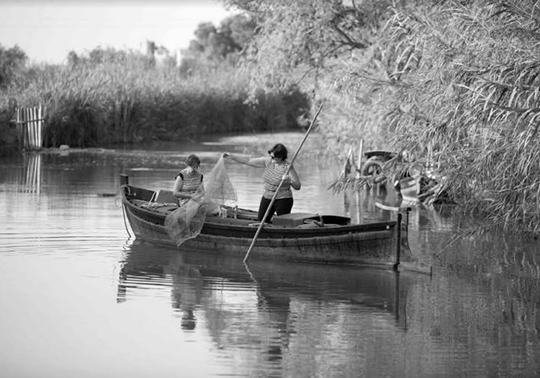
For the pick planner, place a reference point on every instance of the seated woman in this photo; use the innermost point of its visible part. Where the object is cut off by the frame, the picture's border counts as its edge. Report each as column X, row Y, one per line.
column 188, row 180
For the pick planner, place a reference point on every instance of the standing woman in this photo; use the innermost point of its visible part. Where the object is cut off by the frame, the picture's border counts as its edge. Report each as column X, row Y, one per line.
column 188, row 180
column 275, row 167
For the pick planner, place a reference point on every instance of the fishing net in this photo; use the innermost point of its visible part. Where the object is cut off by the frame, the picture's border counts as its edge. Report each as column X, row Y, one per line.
column 187, row 221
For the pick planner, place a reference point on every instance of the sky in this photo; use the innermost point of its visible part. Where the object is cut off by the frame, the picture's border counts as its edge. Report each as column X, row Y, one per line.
column 47, row 30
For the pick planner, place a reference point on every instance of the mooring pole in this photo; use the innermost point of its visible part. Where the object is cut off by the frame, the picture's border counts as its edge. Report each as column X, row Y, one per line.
column 124, row 179
column 398, row 244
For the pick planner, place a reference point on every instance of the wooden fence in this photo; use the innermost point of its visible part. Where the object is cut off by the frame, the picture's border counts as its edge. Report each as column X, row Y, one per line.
column 30, row 123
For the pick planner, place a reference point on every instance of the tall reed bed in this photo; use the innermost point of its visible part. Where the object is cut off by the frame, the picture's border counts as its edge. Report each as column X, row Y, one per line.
column 129, row 102
column 468, row 96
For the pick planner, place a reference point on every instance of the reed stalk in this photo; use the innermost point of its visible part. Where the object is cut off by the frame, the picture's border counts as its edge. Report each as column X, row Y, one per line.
column 129, row 102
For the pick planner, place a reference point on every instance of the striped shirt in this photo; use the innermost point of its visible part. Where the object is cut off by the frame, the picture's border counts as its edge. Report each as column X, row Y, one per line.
column 192, row 180
column 272, row 177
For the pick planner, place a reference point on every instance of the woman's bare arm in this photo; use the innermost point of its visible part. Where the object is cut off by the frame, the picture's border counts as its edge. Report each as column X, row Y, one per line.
column 259, row 162
column 295, row 180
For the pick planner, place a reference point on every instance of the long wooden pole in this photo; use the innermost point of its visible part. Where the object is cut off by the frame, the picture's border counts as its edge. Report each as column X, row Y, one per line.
column 33, row 112
column 357, row 177
column 25, row 126
column 19, row 126
column 281, row 183
column 40, row 126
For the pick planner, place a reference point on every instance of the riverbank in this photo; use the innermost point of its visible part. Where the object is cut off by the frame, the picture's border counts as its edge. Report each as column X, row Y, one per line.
column 89, row 105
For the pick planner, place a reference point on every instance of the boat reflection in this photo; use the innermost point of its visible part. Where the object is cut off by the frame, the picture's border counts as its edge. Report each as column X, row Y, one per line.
column 265, row 297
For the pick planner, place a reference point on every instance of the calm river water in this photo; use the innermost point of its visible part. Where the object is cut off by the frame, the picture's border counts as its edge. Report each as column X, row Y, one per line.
column 80, row 298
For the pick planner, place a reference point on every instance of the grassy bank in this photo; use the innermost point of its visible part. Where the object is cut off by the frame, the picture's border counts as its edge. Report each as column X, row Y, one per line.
column 128, row 101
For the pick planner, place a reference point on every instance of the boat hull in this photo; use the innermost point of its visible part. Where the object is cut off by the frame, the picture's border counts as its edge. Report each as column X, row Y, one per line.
column 372, row 244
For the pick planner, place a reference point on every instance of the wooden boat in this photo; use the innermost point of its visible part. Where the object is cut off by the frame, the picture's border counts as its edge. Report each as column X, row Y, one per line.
column 305, row 237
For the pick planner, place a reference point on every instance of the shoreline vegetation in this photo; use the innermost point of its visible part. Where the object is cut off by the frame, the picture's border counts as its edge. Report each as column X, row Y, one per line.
column 128, row 102
column 110, row 97
column 452, row 85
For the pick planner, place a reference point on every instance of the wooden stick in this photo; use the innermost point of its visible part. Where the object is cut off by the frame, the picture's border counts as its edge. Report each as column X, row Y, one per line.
column 344, row 172
column 36, row 126
column 34, row 129
column 28, row 129
column 31, row 134
column 359, row 161
column 281, row 183
column 387, row 207
column 19, row 126
column 40, row 127
column 357, row 177
column 27, row 133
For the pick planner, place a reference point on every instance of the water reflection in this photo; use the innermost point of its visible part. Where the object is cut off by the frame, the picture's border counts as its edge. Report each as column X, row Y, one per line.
column 30, row 178
column 270, row 311
column 301, row 319
column 66, row 277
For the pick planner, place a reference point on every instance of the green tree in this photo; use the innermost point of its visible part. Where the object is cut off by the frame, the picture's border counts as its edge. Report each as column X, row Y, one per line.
column 471, row 96
column 12, row 63
column 332, row 50
column 214, row 46
column 453, row 80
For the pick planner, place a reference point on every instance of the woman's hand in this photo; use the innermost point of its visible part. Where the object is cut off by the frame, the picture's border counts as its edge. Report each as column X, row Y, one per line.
column 198, row 197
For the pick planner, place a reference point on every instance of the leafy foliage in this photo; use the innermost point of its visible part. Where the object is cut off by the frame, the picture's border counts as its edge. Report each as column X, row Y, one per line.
column 454, row 83
column 214, row 46
column 331, row 50
column 474, row 100
column 104, row 98
column 12, row 63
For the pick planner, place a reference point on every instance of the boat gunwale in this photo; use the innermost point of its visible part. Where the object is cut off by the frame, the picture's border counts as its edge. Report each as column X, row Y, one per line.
column 220, row 224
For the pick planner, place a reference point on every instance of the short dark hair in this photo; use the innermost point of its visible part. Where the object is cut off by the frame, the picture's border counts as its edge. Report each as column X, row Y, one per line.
column 193, row 160
column 279, row 151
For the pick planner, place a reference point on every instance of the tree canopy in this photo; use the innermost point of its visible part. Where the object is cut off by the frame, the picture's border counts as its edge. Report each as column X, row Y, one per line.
column 213, row 46
column 454, row 81
column 12, row 62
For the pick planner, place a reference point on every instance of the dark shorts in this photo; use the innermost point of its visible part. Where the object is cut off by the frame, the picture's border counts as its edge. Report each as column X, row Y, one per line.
column 280, row 206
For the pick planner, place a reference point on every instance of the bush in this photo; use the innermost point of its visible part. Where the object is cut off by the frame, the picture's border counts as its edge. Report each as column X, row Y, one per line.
column 108, row 101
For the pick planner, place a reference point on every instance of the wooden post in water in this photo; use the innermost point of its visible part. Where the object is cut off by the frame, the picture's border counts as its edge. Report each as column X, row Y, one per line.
column 20, row 127
column 398, row 244
column 124, row 179
column 32, row 129
column 402, row 232
column 30, row 122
